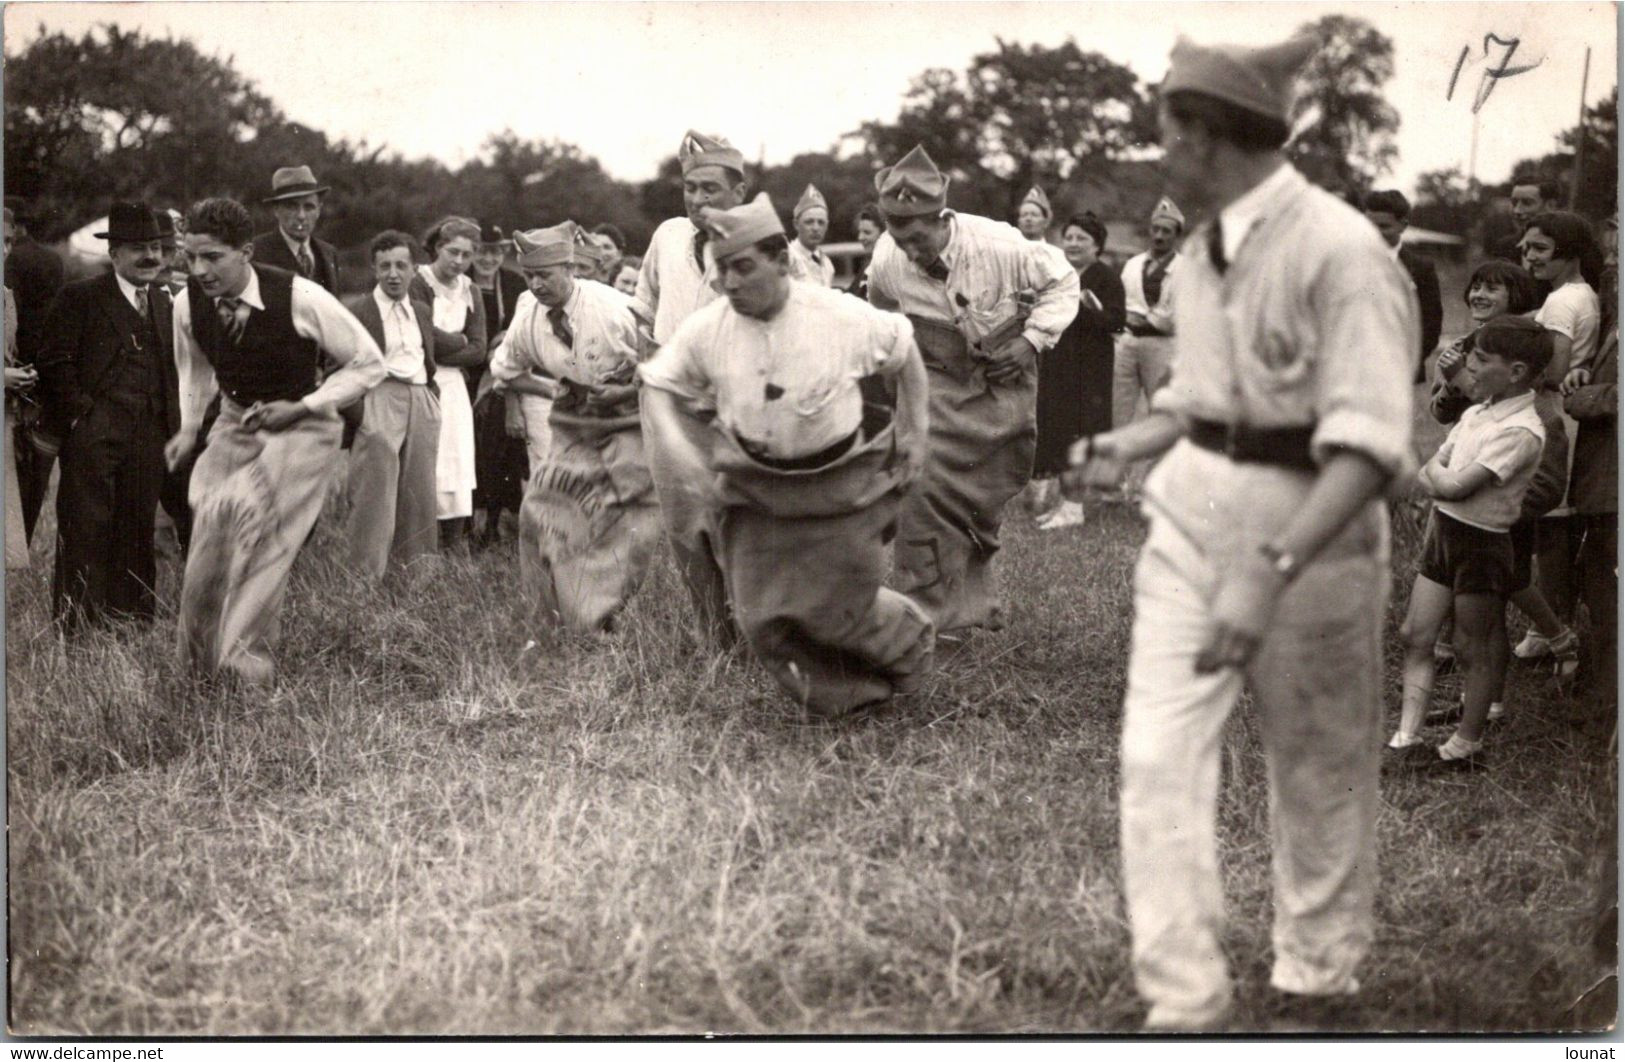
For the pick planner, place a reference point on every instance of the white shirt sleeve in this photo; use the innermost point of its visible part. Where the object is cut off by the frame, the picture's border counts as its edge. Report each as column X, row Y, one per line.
column 1056, row 282
column 318, row 316
column 677, row 367
column 513, row 357
column 196, row 374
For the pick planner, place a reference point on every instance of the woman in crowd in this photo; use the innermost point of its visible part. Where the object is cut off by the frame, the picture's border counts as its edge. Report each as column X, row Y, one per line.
column 20, row 379
column 626, row 274
column 612, row 242
column 460, row 313
column 500, row 465
column 1075, row 378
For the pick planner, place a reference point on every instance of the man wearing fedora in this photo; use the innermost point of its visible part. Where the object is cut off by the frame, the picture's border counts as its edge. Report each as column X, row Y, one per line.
column 984, row 300
column 296, row 200
column 1286, row 416
column 107, row 377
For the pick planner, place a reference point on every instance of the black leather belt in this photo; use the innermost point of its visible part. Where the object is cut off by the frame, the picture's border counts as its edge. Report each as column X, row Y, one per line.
column 809, row 463
column 1146, row 330
column 1282, row 447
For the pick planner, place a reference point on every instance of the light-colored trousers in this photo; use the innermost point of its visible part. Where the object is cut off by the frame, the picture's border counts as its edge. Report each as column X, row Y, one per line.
column 1139, row 366
column 1316, row 680
column 392, row 479
column 255, row 496
column 538, row 428
column 678, row 457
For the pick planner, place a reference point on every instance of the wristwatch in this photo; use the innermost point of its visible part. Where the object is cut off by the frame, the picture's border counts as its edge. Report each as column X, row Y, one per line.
column 1284, row 563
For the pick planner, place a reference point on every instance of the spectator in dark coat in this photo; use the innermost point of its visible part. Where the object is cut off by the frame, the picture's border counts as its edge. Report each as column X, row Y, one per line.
column 35, row 276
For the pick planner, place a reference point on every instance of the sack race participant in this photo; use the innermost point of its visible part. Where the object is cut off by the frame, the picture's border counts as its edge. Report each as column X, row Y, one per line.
column 818, row 407
column 984, row 301
column 589, row 524
column 255, row 335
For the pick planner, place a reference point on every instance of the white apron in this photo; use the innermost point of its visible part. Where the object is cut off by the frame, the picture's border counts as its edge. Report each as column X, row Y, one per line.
column 454, row 465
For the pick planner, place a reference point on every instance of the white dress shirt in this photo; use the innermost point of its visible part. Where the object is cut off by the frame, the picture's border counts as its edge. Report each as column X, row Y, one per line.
column 671, row 284
column 403, row 339
column 317, row 316
column 604, row 333
column 129, row 291
column 813, row 266
column 988, row 262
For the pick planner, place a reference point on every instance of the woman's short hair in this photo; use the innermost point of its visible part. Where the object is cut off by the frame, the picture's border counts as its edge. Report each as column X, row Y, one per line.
column 1090, row 224
column 610, row 229
column 633, row 260
column 451, row 228
column 1571, row 238
column 1521, row 295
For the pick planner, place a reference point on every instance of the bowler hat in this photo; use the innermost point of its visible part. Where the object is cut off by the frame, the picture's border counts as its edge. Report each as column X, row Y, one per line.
column 131, row 223
column 291, row 182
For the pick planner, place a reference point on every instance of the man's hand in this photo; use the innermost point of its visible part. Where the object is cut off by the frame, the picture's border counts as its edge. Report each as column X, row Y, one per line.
column 1096, row 465
column 1451, row 361
column 176, row 449
column 274, row 416
column 1011, row 360
column 608, row 396
column 1242, row 610
column 1576, row 379
column 21, row 378
column 1136, row 320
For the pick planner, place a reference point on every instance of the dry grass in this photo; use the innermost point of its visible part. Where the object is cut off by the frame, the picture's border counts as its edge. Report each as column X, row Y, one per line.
column 430, row 827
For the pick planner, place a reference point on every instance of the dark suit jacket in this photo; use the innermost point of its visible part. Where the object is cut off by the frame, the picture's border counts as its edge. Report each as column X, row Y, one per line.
column 365, row 308
column 271, row 249
column 1426, row 280
column 35, row 276
column 89, row 329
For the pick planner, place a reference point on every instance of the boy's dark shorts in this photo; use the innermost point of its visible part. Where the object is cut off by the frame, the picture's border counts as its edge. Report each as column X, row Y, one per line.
column 1523, row 554
column 1465, row 558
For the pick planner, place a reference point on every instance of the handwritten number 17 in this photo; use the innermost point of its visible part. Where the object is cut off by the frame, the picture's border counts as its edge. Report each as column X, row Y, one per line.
column 1491, row 76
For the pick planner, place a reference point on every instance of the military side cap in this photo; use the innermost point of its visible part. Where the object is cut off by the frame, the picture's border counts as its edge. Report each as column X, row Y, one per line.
column 913, row 186
column 734, row 230
column 1035, row 195
column 697, row 150
column 1165, row 208
column 811, row 198
column 546, row 247
column 1259, row 80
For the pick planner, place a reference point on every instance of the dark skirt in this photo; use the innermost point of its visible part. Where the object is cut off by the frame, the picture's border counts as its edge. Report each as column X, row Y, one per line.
column 1074, row 394
column 501, row 466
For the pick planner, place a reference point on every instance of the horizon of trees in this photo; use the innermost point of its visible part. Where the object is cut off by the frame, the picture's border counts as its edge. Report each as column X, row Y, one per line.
column 119, row 114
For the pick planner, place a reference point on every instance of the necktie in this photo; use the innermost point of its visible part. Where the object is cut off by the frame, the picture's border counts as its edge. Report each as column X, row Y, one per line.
column 1215, row 247
column 561, row 327
column 937, row 270
column 141, row 301
column 307, row 267
column 700, row 239
column 1153, row 275
column 230, row 319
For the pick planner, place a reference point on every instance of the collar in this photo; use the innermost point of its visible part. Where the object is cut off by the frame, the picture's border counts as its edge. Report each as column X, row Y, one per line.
column 251, row 291
column 1252, row 207
column 294, row 245
column 950, row 250
column 1507, row 406
column 127, row 288
column 385, row 303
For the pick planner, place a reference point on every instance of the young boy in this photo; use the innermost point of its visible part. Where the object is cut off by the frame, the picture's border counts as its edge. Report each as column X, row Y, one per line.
column 1478, row 479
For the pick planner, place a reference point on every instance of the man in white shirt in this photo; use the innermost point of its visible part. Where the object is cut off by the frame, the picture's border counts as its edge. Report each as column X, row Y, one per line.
column 984, row 301
column 1147, row 350
column 812, row 408
column 255, row 335
column 393, row 516
column 676, row 280
column 589, row 523
column 811, row 217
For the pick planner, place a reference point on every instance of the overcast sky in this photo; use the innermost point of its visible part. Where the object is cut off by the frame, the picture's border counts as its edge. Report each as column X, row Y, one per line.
column 624, row 81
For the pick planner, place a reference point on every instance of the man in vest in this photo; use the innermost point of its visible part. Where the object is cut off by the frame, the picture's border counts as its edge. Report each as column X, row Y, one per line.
column 677, row 279
column 984, row 301
column 107, row 377
column 254, row 335
column 1146, row 351
column 811, row 216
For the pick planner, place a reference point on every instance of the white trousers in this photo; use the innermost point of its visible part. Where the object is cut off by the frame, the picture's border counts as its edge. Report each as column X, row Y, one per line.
column 1316, row 680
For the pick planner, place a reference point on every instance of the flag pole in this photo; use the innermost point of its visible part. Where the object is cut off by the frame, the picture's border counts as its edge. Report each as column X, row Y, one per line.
column 1580, row 142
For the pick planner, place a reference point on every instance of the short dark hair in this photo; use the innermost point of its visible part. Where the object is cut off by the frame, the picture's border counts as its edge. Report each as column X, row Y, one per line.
column 1549, row 189
column 225, row 219
column 870, row 212
column 610, row 229
column 1517, row 339
column 388, row 240
column 1388, row 201
column 1223, row 120
column 1521, row 296
column 1090, row 224
column 1571, row 236
column 450, row 228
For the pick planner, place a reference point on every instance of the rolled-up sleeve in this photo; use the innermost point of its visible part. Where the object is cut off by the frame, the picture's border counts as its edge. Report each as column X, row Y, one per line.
column 889, row 350
column 1363, row 393
column 1054, row 280
column 512, row 358
column 318, row 316
column 677, row 368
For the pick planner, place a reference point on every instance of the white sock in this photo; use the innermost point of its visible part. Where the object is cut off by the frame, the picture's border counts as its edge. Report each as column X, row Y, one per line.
column 1402, row 740
column 1458, row 747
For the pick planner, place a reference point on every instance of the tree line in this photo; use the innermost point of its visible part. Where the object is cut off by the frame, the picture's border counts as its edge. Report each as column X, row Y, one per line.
column 115, row 113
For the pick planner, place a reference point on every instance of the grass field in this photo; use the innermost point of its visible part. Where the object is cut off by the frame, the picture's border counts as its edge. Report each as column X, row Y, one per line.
column 437, row 824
